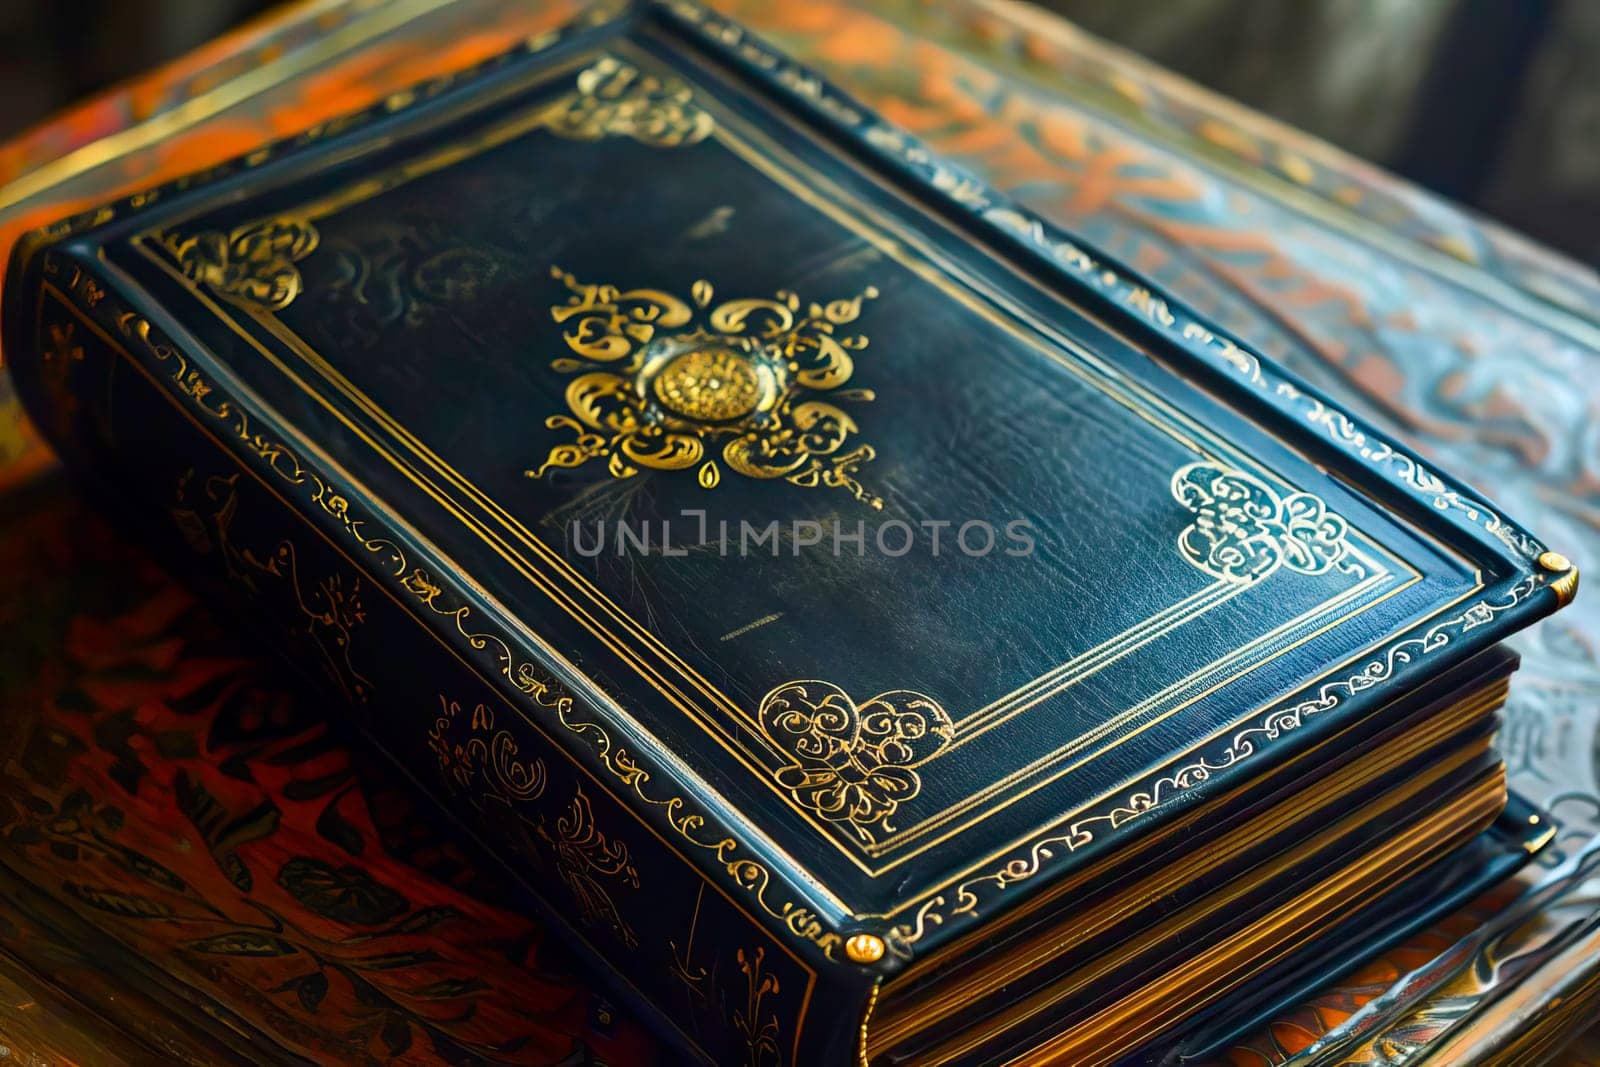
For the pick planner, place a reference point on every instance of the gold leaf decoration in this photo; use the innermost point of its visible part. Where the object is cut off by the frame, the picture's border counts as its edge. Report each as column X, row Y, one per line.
column 853, row 763
column 1245, row 530
column 668, row 384
column 586, row 860
column 614, row 99
column 252, row 266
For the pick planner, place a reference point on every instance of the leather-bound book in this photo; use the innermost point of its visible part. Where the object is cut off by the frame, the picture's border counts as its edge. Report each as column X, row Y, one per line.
column 879, row 626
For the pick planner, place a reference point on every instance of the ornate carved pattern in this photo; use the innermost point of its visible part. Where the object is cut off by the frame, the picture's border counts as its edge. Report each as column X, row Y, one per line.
column 1377, row 452
column 168, row 795
column 670, row 384
column 585, row 856
column 852, row 763
column 615, row 100
column 252, row 266
column 1243, row 530
column 486, row 751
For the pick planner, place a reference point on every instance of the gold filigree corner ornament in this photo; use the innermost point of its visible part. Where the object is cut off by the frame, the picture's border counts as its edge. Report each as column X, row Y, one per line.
column 1244, row 530
column 614, row 99
column 253, row 266
column 850, row 763
column 669, row 384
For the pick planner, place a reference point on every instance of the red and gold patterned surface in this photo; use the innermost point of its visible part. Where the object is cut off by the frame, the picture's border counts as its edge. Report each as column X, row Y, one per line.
column 161, row 786
column 196, row 866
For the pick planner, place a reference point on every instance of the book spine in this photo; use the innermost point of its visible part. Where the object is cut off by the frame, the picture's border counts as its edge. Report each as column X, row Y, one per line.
column 692, row 924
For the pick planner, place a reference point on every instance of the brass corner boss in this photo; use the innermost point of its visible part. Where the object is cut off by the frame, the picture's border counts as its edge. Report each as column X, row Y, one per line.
column 864, row 948
column 1566, row 586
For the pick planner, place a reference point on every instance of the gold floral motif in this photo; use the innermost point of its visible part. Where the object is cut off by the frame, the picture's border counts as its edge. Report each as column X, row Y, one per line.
column 584, row 856
column 486, row 751
column 252, row 266
column 700, row 981
column 760, row 1035
column 1243, row 530
column 616, row 100
column 669, row 384
column 853, row 763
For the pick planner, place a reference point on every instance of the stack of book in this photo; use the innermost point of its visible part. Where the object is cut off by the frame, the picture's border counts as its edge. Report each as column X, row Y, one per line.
column 881, row 627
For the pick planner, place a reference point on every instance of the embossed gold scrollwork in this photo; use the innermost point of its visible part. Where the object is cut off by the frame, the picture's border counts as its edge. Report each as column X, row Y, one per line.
column 252, row 266
column 585, row 857
column 1244, row 530
column 1380, row 454
column 850, row 763
column 614, row 99
column 484, row 751
column 668, row 384
column 475, row 755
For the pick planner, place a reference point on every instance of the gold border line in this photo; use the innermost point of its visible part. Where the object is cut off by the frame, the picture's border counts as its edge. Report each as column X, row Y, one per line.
column 313, row 449
column 873, row 851
column 1487, row 700
column 1044, row 762
column 521, row 563
column 1087, row 664
column 369, row 187
column 493, row 687
column 274, row 326
column 1219, row 732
